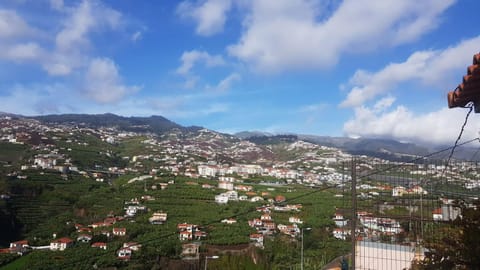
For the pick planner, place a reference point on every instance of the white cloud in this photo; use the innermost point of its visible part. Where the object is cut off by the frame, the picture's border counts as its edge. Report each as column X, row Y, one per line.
column 57, row 4
column 283, row 34
column 210, row 15
column 20, row 42
column 137, row 36
column 20, row 52
column 73, row 42
column 37, row 99
column 16, row 37
column 68, row 53
column 190, row 58
column 383, row 104
column 13, row 26
column 103, row 83
column 400, row 123
column 227, row 82
column 431, row 67
column 76, row 27
column 190, row 82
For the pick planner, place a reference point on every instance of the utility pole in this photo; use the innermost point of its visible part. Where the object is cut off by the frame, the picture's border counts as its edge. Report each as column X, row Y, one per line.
column 301, row 252
column 354, row 210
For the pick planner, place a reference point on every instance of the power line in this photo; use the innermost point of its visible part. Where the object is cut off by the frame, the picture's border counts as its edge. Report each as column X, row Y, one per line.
column 253, row 209
column 418, row 158
column 470, row 106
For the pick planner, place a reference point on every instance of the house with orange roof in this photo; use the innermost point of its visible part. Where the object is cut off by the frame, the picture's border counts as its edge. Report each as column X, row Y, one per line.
column 119, row 231
column 19, row 247
column 280, row 198
column 61, row 244
column 437, row 214
column 101, row 245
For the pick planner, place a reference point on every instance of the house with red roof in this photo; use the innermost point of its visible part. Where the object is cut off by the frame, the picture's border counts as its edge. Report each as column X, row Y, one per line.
column 134, row 246
column 19, row 247
column 61, row 243
column 84, row 238
column 280, row 198
column 119, row 231
column 124, row 254
column 84, row 230
column 437, row 214
column 266, row 217
column 185, row 236
column 101, row 245
column 257, row 238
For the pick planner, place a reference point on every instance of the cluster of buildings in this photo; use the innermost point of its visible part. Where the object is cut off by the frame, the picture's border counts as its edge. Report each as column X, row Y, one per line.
column 289, row 175
column 265, row 225
column 189, row 232
column 399, row 191
column 370, row 225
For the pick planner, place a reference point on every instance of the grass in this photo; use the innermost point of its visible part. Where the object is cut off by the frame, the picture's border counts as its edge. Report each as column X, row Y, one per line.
column 17, row 264
column 11, row 152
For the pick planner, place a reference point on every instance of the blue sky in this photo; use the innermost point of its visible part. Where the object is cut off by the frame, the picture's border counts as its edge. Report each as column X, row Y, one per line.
column 359, row 68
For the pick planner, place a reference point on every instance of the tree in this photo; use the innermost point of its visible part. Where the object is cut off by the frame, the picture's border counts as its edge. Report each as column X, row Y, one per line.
column 455, row 246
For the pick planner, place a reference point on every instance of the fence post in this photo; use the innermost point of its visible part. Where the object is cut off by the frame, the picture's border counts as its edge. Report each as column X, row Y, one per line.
column 354, row 210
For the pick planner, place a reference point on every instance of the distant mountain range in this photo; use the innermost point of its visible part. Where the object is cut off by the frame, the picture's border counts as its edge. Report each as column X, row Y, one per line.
column 375, row 147
column 382, row 148
column 155, row 124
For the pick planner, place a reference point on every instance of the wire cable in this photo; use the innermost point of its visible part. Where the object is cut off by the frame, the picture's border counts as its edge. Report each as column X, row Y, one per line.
column 460, row 134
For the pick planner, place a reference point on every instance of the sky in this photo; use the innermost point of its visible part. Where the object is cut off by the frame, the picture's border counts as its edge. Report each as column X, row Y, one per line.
column 356, row 68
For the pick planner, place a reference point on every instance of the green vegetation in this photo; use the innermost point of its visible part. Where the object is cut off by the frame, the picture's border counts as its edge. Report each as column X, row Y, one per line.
column 12, row 153
column 455, row 246
column 90, row 152
column 48, row 203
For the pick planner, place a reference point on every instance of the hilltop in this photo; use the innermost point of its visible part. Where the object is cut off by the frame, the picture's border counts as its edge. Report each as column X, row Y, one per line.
column 376, row 147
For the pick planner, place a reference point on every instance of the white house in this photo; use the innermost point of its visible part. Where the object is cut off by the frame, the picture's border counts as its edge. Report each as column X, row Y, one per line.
column 19, row 246
column 376, row 255
column 417, row 190
column 221, row 198
column 158, row 218
column 339, row 220
column 124, row 253
column 340, row 233
column 257, row 238
column 229, row 221
column 265, row 217
column 61, row 244
column 134, row 246
column 398, row 191
column 256, row 199
column 84, row 238
column 207, row 170
column 100, row 245
column 437, row 214
column 295, row 220
column 119, row 231
column 225, row 185
column 232, row 195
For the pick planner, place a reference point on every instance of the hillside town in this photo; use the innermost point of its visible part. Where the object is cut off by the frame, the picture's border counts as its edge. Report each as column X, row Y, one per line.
column 232, row 171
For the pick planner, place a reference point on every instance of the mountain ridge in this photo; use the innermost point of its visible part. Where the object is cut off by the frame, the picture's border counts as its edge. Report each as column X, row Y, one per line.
column 153, row 123
column 376, row 147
